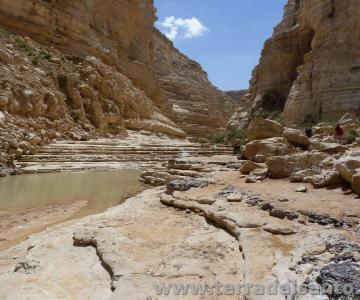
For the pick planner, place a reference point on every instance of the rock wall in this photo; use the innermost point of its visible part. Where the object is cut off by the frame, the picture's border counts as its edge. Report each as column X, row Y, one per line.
column 238, row 95
column 46, row 95
column 117, row 32
column 198, row 107
column 103, row 69
column 309, row 68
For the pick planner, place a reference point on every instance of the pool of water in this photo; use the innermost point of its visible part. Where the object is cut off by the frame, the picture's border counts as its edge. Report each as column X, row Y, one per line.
column 102, row 189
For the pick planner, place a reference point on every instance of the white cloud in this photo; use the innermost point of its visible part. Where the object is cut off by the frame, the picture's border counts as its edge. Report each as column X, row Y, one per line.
column 189, row 28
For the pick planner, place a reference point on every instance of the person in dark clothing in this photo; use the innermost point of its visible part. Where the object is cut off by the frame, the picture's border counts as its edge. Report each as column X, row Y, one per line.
column 309, row 132
column 339, row 133
column 237, row 148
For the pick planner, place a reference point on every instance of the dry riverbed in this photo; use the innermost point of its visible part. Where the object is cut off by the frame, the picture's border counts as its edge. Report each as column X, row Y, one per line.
column 206, row 230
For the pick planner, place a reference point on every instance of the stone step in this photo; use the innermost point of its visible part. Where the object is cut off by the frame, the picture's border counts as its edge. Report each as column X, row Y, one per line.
column 127, row 151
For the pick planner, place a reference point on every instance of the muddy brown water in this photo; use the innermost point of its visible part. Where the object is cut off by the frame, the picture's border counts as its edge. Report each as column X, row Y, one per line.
column 32, row 203
column 101, row 189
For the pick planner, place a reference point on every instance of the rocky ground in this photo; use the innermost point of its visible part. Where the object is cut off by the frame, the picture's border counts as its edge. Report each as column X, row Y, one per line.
column 215, row 222
column 208, row 229
column 142, row 150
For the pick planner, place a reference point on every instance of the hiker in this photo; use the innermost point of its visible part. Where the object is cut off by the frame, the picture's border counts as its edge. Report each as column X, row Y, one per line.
column 237, row 148
column 339, row 132
column 309, row 132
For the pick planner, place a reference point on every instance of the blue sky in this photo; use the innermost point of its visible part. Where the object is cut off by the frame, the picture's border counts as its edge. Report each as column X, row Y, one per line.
column 225, row 37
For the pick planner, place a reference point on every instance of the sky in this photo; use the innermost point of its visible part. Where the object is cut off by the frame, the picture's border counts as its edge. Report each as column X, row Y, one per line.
column 226, row 37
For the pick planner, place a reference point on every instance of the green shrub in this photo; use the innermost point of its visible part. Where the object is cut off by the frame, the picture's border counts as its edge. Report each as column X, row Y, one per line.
column 218, row 138
column 276, row 116
column 228, row 136
column 21, row 43
column 350, row 136
column 35, row 61
column 45, row 55
column 358, row 121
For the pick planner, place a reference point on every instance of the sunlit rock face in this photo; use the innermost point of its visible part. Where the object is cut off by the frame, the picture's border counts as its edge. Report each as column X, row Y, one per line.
column 198, row 107
column 310, row 68
column 121, row 34
column 117, row 32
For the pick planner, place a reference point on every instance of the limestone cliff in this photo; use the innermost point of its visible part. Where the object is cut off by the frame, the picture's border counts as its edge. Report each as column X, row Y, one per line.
column 77, row 70
column 198, row 107
column 309, row 68
column 117, row 32
column 81, row 69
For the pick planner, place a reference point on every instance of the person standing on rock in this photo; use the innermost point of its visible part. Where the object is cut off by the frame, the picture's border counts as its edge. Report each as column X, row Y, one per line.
column 339, row 132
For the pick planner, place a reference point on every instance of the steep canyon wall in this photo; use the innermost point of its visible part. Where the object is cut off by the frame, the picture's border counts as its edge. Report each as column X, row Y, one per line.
column 309, row 68
column 79, row 69
column 197, row 106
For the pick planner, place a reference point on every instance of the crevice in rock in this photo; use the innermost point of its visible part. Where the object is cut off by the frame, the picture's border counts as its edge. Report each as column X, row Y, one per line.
column 93, row 243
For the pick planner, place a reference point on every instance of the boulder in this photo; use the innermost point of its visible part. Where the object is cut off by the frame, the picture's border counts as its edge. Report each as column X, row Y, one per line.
column 248, row 166
column 301, row 189
column 185, row 184
column 259, row 158
column 156, row 178
column 300, row 175
column 318, row 181
column 346, row 119
column 338, row 274
column 266, row 147
column 235, row 197
column 284, row 166
column 324, row 129
column 296, row 138
column 348, row 168
column 263, row 129
column 257, row 175
column 332, row 148
column 333, row 179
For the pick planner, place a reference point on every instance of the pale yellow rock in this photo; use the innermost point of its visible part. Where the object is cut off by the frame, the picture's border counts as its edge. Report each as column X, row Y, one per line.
column 260, row 129
column 309, row 68
column 198, row 107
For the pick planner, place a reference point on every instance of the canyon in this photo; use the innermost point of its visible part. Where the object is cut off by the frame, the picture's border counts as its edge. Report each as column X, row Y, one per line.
column 98, row 68
column 101, row 110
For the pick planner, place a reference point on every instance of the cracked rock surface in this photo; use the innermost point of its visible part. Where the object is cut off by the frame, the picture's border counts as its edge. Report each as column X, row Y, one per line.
column 199, row 236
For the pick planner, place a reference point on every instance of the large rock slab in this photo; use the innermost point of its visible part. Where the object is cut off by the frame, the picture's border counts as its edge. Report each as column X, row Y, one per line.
column 248, row 166
column 266, row 147
column 296, row 138
column 348, row 168
column 263, row 129
column 284, row 166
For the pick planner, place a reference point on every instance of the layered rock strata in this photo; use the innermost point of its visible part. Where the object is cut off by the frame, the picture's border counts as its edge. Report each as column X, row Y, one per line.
column 309, row 68
column 198, row 107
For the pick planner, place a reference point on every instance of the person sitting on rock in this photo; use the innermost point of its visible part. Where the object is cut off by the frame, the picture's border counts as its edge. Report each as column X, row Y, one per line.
column 309, row 132
column 339, row 132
